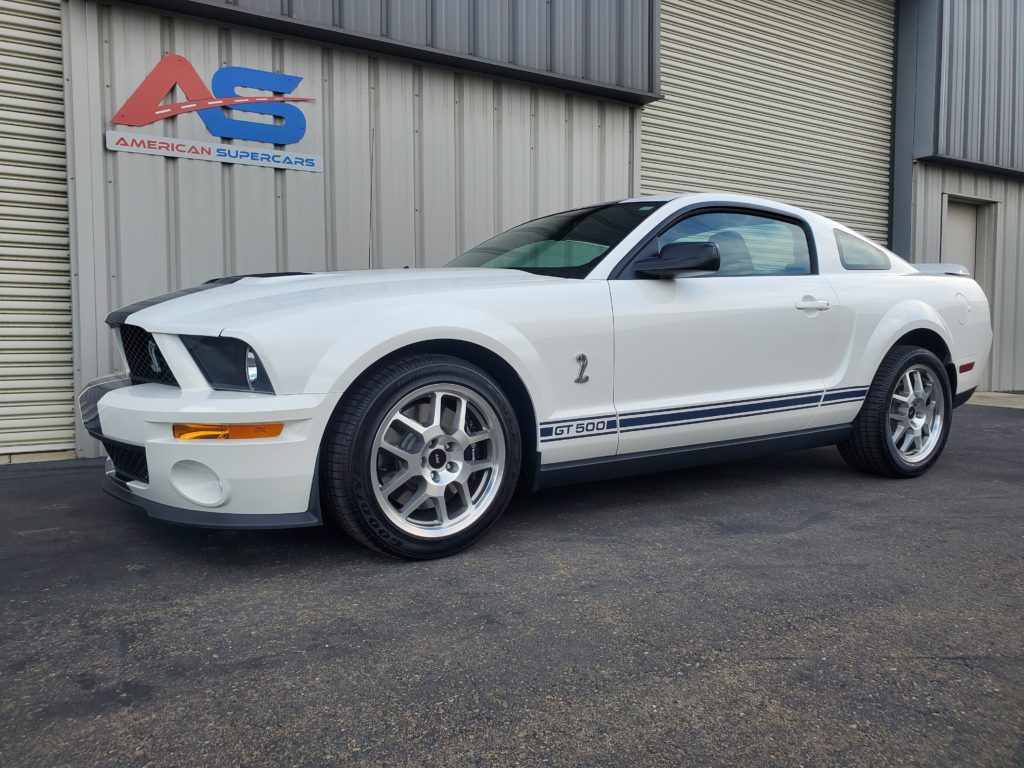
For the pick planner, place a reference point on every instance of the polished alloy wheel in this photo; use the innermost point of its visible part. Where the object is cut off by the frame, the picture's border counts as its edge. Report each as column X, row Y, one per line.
column 916, row 412
column 438, row 460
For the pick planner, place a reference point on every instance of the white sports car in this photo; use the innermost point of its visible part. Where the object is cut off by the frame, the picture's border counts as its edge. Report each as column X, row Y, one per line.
column 634, row 336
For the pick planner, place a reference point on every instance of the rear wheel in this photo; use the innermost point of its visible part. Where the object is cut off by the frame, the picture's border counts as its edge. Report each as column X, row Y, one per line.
column 422, row 458
column 904, row 422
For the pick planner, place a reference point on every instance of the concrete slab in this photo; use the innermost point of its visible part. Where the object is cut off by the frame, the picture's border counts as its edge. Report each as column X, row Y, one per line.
column 998, row 399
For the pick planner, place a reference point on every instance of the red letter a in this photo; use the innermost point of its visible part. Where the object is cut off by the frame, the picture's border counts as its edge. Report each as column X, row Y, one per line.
column 143, row 105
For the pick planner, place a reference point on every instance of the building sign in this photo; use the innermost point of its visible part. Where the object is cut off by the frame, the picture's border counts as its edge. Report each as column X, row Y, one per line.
column 146, row 105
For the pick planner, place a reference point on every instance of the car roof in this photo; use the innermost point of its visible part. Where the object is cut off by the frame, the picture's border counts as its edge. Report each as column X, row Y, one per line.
column 732, row 197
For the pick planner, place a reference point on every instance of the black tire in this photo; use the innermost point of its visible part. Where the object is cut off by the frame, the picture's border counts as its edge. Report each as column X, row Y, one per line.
column 350, row 484
column 870, row 447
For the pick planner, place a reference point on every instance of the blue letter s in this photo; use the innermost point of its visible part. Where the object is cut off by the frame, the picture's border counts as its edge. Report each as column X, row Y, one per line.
column 227, row 80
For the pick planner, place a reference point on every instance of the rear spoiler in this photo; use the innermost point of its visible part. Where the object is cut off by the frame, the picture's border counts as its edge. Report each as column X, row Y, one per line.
column 943, row 269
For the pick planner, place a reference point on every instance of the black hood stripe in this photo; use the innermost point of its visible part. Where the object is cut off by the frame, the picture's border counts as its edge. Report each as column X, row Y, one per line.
column 119, row 316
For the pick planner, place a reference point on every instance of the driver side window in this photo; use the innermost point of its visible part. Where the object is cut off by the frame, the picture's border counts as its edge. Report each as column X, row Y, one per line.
column 748, row 243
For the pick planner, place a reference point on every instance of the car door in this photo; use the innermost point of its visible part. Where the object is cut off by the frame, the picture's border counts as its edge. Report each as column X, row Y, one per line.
column 732, row 354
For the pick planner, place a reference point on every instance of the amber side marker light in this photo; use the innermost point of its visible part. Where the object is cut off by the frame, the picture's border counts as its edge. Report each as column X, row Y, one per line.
column 226, row 431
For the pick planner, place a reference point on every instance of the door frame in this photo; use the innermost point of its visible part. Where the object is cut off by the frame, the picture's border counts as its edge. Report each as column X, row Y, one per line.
column 986, row 248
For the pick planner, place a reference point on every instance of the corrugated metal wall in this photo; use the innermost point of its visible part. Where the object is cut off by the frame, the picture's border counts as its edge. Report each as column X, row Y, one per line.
column 786, row 100
column 1000, row 269
column 601, row 41
column 421, row 163
column 981, row 94
column 36, row 407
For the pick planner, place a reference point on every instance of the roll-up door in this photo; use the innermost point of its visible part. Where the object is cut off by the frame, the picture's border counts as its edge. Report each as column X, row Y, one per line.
column 790, row 101
column 36, row 406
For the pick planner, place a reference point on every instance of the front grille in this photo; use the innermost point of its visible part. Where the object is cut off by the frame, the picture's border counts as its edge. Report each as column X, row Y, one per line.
column 145, row 361
column 129, row 460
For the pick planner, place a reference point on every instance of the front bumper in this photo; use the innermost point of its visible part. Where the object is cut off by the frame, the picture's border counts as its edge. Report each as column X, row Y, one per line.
column 119, row 489
column 257, row 483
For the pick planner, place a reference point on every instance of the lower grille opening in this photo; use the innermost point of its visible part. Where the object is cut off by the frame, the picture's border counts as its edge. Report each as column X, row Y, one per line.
column 129, row 460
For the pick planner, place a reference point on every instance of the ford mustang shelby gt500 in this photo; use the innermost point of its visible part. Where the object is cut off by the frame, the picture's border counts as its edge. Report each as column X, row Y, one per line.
column 635, row 336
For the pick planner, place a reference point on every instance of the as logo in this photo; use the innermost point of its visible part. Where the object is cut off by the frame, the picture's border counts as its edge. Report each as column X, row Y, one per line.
column 144, row 106
column 217, row 106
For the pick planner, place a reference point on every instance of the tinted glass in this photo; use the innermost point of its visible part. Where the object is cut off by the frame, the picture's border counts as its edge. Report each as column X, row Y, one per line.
column 854, row 253
column 748, row 244
column 566, row 244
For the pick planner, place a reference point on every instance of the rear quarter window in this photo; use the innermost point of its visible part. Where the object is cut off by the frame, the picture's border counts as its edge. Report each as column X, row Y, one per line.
column 854, row 253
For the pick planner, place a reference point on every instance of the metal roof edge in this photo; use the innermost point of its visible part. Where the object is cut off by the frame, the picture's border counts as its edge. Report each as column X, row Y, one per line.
column 329, row 34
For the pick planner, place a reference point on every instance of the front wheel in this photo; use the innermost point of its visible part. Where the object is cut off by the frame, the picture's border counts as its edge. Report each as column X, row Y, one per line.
column 904, row 422
column 422, row 457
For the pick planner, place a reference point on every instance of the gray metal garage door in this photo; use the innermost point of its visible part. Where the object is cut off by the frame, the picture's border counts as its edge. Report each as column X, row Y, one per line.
column 785, row 100
column 36, row 407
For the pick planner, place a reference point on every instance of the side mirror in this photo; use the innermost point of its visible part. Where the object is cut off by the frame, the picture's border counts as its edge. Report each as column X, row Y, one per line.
column 677, row 259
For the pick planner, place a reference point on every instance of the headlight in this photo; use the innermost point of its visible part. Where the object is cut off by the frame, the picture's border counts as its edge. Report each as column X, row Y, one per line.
column 252, row 367
column 228, row 363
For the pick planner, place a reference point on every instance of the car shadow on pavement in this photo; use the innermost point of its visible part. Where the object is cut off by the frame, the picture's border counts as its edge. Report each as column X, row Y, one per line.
column 695, row 492
column 243, row 547
column 680, row 493
column 788, row 488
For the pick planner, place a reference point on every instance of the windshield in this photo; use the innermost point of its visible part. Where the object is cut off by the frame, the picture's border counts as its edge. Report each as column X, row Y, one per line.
column 565, row 244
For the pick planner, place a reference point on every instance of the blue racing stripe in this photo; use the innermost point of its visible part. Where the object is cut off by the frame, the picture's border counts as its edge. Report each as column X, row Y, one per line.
column 816, row 394
column 660, row 418
column 853, row 393
column 704, row 412
column 720, row 418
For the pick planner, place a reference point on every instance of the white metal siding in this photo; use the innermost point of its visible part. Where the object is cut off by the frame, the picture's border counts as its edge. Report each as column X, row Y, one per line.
column 420, row 163
column 36, row 406
column 1000, row 253
column 785, row 100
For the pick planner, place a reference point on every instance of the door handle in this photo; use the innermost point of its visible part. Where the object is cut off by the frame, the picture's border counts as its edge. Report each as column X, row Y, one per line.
column 809, row 302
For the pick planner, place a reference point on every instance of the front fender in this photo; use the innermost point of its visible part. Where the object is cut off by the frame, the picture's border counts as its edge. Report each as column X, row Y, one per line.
column 380, row 335
column 540, row 329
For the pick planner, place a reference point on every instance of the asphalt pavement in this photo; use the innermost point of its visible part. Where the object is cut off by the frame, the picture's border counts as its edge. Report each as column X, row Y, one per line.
column 784, row 611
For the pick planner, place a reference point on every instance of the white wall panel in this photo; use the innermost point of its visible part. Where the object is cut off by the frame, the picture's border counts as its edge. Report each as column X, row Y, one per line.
column 785, row 100
column 394, row 224
column 584, row 148
column 474, row 128
column 550, row 150
column 347, row 157
column 514, row 143
column 438, row 213
column 420, row 162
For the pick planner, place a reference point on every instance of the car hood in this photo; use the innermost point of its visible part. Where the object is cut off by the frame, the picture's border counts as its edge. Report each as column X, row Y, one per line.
column 213, row 307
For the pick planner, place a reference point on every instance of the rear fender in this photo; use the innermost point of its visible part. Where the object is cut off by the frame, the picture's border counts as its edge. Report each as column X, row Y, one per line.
column 907, row 316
